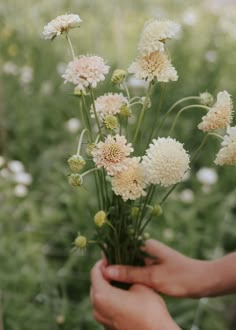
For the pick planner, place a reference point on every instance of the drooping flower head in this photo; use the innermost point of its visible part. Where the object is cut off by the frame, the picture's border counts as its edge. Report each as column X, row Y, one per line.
column 130, row 184
column 109, row 104
column 61, row 24
column 227, row 154
column 155, row 65
column 112, row 153
column 154, row 35
column 86, row 71
column 220, row 115
column 165, row 162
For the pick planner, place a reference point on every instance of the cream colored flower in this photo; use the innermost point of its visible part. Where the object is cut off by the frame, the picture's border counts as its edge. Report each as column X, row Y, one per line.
column 220, row 115
column 86, row 71
column 109, row 104
column 154, row 35
column 112, row 153
column 130, row 184
column 227, row 154
column 61, row 24
column 165, row 162
column 155, row 65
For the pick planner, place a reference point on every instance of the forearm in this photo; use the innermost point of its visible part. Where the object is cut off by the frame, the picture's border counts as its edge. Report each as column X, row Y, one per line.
column 220, row 276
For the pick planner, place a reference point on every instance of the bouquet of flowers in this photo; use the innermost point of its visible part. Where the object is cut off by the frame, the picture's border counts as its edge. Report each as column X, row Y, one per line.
column 135, row 169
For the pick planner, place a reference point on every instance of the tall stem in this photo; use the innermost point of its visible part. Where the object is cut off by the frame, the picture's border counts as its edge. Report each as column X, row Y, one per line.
column 145, row 103
column 173, row 107
column 70, row 45
column 184, row 109
column 95, row 112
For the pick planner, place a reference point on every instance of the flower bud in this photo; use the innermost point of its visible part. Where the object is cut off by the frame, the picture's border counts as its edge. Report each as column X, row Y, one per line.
column 206, row 99
column 90, row 148
column 81, row 242
column 157, row 210
column 110, row 122
column 75, row 180
column 118, row 76
column 76, row 163
column 148, row 101
column 60, row 319
column 125, row 110
column 146, row 236
column 100, row 218
column 79, row 92
column 134, row 211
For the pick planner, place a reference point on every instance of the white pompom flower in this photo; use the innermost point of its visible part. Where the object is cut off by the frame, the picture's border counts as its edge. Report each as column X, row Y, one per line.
column 166, row 161
column 86, row 71
column 109, row 104
column 130, row 184
column 227, row 154
column 155, row 65
column 154, row 35
column 219, row 115
column 60, row 25
column 112, row 153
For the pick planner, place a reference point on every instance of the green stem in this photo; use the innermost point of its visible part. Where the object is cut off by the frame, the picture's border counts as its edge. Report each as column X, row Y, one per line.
column 90, row 171
column 81, row 140
column 157, row 113
column 94, row 110
column 145, row 224
column 86, row 114
column 140, row 119
column 70, row 45
column 174, row 105
column 184, row 109
column 126, row 90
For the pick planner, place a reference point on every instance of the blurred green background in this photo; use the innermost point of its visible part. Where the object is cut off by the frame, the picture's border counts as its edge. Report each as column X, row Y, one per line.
column 43, row 285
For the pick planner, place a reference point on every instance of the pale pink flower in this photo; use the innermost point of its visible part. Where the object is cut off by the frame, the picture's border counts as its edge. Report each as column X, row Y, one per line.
column 155, row 65
column 109, row 104
column 227, row 154
column 130, row 184
column 61, row 24
column 112, row 153
column 219, row 115
column 86, row 71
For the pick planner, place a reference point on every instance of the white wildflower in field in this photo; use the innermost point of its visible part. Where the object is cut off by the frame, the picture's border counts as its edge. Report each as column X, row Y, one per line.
column 207, row 176
column 227, row 154
column 130, row 183
column 23, row 178
column 109, row 104
column 186, row 196
column 61, row 24
column 15, row 166
column 219, row 115
column 112, row 153
column 165, row 162
column 73, row 125
column 153, row 66
column 20, row 190
column 86, row 71
column 154, row 35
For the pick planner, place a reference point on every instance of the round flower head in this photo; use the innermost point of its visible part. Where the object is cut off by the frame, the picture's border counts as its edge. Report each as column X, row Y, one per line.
column 111, row 154
column 155, row 65
column 86, row 71
column 154, row 35
column 61, row 24
column 109, row 104
column 220, row 115
column 130, row 184
column 165, row 162
column 227, row 154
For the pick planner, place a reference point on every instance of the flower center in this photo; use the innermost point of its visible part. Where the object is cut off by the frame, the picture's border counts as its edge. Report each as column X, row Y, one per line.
column 113, row 153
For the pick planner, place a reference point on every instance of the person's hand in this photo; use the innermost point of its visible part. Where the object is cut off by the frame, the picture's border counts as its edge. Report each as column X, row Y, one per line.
column 171, row 273
column 138, row 308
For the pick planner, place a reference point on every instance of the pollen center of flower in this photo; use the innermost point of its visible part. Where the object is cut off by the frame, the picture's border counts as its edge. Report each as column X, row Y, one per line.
column 113, row 153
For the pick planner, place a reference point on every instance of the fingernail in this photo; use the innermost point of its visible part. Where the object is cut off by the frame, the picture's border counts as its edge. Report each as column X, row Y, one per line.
column 112, row 272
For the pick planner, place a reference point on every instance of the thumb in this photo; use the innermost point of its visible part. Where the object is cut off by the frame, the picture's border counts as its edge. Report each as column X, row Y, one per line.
column 158, row 250
column 129, row 274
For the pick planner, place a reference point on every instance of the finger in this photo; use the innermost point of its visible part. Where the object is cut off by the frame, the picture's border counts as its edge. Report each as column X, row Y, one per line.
column 101, row 319
column 129, row 274
column 157, row 249
column 141, row 289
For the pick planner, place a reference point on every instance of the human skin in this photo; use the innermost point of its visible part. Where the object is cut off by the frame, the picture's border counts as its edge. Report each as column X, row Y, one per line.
column 176, row 275
column 138, row 308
